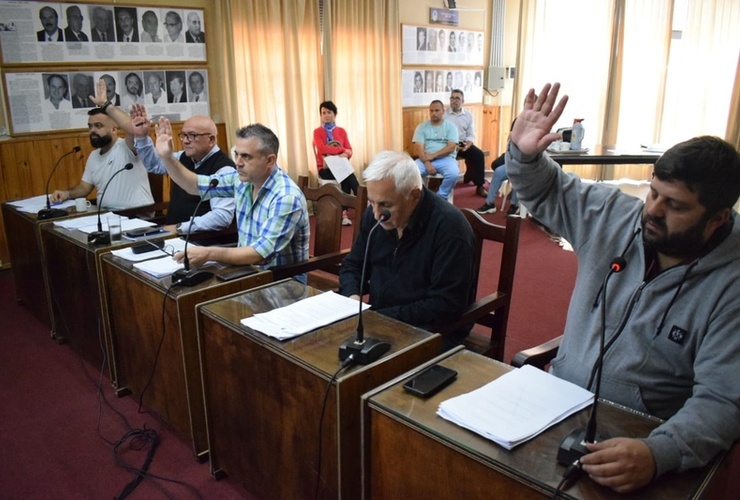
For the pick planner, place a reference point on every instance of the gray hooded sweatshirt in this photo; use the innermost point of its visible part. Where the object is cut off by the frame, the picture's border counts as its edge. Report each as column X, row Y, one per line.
column 673, row 341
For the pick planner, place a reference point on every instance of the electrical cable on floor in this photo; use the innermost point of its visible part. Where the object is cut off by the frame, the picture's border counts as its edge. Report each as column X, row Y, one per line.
column 345, row 364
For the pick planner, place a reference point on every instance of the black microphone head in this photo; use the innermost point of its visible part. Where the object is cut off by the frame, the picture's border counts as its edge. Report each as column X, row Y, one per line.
column 213, row 183
column 385, row 214
column 128, row 166
column 618, row 264
column 76, row 149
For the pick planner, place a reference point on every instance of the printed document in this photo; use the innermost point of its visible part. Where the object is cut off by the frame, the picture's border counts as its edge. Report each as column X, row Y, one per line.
column 516, row 406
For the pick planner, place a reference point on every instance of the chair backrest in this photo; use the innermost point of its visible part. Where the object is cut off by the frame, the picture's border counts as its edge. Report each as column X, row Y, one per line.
column 329, row 202
column 493, row 310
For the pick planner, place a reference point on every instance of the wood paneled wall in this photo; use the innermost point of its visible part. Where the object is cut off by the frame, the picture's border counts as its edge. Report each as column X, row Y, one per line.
column 486, row 120
column 25, row 165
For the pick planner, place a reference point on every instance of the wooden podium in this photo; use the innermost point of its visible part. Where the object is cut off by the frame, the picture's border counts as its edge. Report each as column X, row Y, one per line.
column 149, row 320
column 414, row 453
column 265, row 398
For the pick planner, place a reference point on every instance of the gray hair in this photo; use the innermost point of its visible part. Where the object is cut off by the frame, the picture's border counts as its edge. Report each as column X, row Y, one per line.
column 399, row 166
column 269, row 143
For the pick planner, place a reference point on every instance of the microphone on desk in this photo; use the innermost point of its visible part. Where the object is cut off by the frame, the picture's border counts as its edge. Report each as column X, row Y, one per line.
column 48, row 212
column 573, row 447
column 184, row 276
column 365, row 351
column 101, row 237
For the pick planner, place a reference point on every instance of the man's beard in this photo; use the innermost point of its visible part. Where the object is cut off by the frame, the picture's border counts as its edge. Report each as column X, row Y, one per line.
column 684, row 244
column 100, row 141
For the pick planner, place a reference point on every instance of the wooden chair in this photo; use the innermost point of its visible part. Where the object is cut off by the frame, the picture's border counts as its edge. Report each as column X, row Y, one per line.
column 329, row 202
column 491, row 311
column 539, row 356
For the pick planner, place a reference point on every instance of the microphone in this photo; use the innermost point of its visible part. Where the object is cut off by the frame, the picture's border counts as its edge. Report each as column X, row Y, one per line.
column 573, row 446
column 365, row 351
column 101, row 237
column 48, row 212
column 185, row 276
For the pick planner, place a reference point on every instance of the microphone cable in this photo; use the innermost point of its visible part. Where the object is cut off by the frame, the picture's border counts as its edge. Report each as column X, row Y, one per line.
column 572, row 472
column 348, row 362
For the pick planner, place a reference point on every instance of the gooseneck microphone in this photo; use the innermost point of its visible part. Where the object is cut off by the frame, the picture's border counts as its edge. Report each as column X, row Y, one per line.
column 573, row 446
column 48, row 212
column 365, row 351
column 184, row 276
column 101, row 237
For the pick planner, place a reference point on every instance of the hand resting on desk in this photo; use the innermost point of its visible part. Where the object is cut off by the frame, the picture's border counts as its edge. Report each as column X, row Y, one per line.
column 622, row 464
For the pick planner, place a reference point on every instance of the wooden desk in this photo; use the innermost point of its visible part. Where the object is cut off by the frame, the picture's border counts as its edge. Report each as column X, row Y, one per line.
column 22, row 231
column 134, row 304
column 414, row 453
column 604, row 157
column 264, row 397
column 72, row 272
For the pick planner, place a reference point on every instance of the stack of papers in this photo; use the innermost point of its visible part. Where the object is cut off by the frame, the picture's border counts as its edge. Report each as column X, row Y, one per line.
column 516, row 406
column 303, row 316
column 159, row 268
column 34, row 204
column 89, row 223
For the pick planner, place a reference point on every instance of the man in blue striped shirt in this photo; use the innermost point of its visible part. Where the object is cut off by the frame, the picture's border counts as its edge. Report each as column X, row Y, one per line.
column 271, row 212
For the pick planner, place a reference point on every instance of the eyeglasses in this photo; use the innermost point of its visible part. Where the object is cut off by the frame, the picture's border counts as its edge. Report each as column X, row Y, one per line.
column 191, row 136
column 171, row 24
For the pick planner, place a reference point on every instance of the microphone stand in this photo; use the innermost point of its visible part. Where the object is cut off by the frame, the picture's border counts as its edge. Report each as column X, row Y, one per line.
column 573, row 447
column 48, row 212
column 365, row 351
column 101, row 237
column 184, row 276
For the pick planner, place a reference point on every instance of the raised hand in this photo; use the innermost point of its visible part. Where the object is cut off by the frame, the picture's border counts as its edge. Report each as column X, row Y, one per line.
column 139, row 120
column 101, row 93
column 532, row 130
column 163, row 131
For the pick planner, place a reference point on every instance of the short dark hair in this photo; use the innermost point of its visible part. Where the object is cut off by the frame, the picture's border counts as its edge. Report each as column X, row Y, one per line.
column 709, row 166
column 437, row 101
column 457, row 91
column 96, row 111
column 269, row 141
column 57, row 75
column 328, row 105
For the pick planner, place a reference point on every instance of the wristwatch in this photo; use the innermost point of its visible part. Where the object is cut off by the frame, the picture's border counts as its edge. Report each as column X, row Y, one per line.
column 105, row 106
column 178, row 228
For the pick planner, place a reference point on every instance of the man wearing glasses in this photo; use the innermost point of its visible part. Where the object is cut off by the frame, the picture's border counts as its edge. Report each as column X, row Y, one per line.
column 200, row 154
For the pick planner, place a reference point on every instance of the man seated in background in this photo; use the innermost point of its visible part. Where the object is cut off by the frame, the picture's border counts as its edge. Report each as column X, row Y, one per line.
column 435, row 141
column 272, row 217
column 420, row 266
column 129, row 189
column 673, row 314
column 201, row 155
column 474, row 159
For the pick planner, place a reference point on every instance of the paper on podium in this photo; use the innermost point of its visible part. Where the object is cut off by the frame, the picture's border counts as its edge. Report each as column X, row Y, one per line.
column 516, row 406
column 340, row 167
column 159, row 268
column 36, row 203
column 303, row 316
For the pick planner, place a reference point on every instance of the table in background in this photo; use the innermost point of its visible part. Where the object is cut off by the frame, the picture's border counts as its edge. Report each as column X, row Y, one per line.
column 22, row 231
column 264, row 397
column 603, row 156
column 133, row 303
column 414, row 453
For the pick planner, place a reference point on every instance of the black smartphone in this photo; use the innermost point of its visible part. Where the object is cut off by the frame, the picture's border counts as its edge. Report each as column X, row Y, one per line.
column 430, row 381
column 236, row 273
column 147, row 246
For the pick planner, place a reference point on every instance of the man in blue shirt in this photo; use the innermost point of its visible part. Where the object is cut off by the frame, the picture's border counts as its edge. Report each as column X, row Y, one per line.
column 271, row 212
column 436, row 144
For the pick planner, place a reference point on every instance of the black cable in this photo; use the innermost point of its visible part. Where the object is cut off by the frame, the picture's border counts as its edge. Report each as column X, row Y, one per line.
column 159, row 347
column 345, row 364
column 140, row 439
column 570, row 473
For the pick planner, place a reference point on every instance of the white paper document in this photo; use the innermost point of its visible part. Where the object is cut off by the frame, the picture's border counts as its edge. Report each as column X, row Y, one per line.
column 303, row 316
column 36, row 203
column 516, row 406
column 159, row 268
column 340, row 167
column 89, row 223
